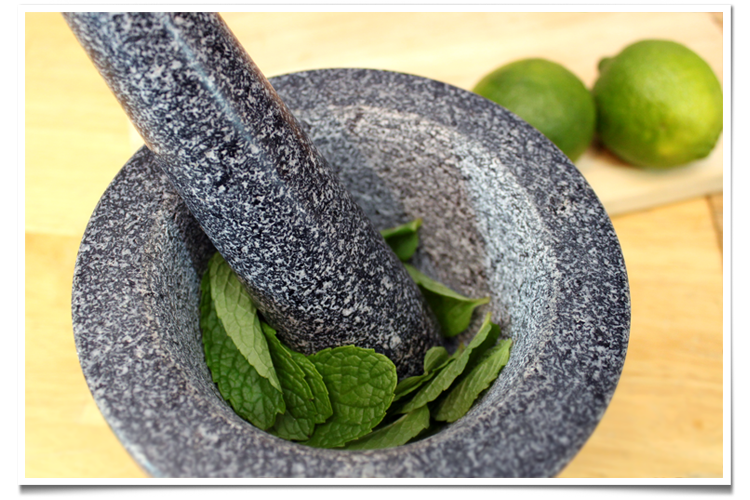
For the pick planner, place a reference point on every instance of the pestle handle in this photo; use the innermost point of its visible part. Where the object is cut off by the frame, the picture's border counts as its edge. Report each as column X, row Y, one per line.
column 309, row 257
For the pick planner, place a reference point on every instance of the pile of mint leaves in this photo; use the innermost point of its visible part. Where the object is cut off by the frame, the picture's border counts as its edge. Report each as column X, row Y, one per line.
column 345, row 397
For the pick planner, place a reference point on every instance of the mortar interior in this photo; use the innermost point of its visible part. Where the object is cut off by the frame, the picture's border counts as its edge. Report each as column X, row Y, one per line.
column 452, row 249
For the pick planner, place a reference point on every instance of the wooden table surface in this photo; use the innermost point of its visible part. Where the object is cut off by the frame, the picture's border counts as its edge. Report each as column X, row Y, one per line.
column 665, row 419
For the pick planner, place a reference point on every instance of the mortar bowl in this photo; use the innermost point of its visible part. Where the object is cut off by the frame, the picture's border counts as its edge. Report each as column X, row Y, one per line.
column 505, row 214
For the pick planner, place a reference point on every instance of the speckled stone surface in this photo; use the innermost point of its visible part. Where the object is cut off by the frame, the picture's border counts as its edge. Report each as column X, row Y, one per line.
column 259, row 188
column 505, row 213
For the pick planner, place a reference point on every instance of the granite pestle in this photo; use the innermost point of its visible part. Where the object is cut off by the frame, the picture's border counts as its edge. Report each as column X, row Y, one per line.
column 267, row 199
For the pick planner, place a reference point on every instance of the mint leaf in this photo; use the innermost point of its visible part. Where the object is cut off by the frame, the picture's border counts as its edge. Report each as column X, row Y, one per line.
column 481, row 349
column 403, row 239
column 314, row 379
column 410, row 384
column 360, row 385
column 239, row 318
column 395, row 434
column 434, row 359
column 463, row 395
column 452, row 309
column 251, row 396
column 445, row 377
column 298, row 421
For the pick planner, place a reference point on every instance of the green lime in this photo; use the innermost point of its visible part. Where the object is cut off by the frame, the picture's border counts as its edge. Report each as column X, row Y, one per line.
column 659, row 104
column 549, row 97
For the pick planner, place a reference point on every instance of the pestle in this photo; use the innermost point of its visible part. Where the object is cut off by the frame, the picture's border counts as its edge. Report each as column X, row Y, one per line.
column 312, row 262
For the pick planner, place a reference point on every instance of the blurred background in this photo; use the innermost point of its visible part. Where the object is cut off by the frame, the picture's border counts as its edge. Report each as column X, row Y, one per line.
column 665, row 419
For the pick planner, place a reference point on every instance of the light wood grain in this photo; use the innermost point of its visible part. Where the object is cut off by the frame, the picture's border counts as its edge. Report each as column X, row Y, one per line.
column 716, row 202
column 76, row 133
column 665, row 418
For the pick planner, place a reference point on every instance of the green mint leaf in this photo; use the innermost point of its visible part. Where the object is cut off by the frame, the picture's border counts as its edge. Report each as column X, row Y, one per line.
column 453, row 310
column 403, row 239
column 321, row 400
column 239, row 317
column 251, row 396
column 480, row 350
column 314, row 380
column 397, row 433
column 410, row 384
column 360, row 385
column 299, row 420
column 445, row 377
column 434, row 360
column 463, row 395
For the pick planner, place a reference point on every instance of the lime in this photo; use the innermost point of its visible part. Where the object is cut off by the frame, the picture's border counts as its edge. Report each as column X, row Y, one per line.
column 659, row 104
column 547, row 96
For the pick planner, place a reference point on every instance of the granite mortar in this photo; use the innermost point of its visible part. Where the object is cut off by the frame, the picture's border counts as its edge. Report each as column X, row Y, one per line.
column 505, row 214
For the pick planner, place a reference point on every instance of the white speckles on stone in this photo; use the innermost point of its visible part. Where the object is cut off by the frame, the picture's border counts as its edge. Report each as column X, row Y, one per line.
column 298, row 470
column 387, row 284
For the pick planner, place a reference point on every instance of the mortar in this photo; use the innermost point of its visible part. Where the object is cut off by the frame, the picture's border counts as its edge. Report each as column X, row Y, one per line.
column 505, row 214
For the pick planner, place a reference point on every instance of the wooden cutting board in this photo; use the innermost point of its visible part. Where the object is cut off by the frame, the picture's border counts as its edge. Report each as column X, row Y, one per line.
column 623, row 188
